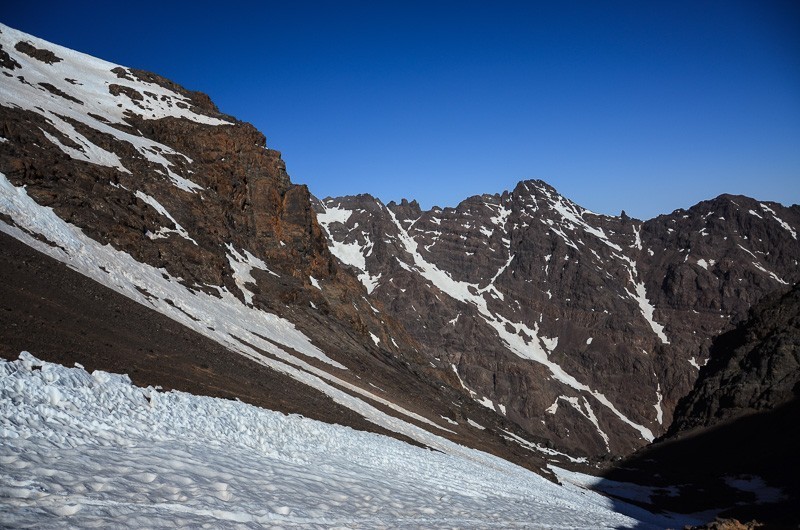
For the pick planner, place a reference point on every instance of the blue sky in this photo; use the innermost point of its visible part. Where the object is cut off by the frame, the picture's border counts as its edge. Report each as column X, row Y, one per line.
column 642, row 106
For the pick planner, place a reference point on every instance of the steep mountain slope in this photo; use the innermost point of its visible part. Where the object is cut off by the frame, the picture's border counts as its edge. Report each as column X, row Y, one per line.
column 47, row 307
column 582, row 328
column 147, row 189
column 519, row 323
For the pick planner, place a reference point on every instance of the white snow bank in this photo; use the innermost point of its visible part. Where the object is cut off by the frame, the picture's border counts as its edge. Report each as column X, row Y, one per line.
column 92, row 450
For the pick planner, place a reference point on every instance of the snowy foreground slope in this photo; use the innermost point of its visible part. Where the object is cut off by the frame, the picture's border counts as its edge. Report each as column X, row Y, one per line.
column 92, row 450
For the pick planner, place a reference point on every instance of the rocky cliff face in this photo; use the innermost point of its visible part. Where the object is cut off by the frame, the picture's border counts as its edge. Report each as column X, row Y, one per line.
column 147, row 189
column 582, row 328
column 732, row 445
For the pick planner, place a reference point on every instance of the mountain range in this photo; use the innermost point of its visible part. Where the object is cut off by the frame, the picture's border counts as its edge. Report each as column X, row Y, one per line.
column 582, row 328
column 145, row 232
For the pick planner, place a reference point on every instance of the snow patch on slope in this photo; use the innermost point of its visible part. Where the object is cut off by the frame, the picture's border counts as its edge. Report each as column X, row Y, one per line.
column 162, row 232
column 223, row 318
column 705, row 264
column 584, row 409
column 353, row 254
column 242, row 265
column 522, row 442
column 637, row 243
column 91, row 103
column 659, row 410
column 88, row 152
column 647, row 310
column 573, row 215
column 485, row 401
column 781, row 222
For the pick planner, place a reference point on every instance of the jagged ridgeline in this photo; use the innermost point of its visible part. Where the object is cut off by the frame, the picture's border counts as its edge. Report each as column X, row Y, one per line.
column 582, row 328
column 520, row 324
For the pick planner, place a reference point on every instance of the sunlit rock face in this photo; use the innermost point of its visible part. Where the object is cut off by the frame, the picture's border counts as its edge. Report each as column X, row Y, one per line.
column 584, row 329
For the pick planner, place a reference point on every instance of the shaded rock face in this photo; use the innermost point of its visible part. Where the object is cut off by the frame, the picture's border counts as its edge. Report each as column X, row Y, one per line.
column 582, row 328
column 754, row 367
column 742, row 468
column 732, row 445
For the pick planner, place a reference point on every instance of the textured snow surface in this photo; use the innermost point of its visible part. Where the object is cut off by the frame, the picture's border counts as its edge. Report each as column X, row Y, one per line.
column 636, row 493
column 92, row 450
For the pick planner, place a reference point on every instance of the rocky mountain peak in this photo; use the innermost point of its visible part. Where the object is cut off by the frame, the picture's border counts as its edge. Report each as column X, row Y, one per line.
column 406, row 209
column 584, row 329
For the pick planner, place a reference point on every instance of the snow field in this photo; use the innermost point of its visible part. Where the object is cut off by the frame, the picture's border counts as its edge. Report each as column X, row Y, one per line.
column 92, row 450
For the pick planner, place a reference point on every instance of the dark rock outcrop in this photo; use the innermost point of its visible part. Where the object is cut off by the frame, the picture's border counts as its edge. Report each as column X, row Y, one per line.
column 754, row 367
column 732, row 446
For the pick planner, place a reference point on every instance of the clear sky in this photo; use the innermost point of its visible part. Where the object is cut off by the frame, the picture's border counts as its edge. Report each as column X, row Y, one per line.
column 642, row 106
